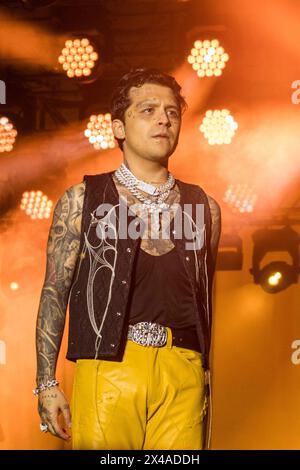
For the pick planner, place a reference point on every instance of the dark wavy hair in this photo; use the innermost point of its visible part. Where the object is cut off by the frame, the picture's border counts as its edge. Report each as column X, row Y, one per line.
column 120, row 100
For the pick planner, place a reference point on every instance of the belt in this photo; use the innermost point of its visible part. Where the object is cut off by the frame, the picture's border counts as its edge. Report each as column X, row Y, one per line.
column 153, row 334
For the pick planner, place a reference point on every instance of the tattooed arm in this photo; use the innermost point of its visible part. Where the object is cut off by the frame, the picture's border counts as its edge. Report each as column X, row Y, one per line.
column 215, row 228
column 62, row 253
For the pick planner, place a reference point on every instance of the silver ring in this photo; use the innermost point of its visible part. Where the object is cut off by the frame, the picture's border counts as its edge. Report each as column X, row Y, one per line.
column 44, row 427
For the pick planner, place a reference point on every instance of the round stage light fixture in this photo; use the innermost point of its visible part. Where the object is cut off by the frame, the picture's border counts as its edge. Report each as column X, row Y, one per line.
column 8, row 134
column 208, row 58
column 36, row 205
column 99, row 132
column 218, row 126
column 14, row 286
column 78, row 58
column 240, row 198
column 277, row 276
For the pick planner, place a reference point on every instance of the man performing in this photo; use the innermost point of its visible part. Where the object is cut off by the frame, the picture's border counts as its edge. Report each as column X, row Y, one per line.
column 133, row 251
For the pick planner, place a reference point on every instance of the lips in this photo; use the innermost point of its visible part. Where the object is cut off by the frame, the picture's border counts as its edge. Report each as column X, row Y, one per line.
column 161, row 135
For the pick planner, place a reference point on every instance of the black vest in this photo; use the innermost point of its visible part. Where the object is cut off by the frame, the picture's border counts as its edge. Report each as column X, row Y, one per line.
column 100, row 289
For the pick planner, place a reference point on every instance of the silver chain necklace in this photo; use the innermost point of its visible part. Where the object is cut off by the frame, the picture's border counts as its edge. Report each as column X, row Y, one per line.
column 125, row 177
column 147, row 187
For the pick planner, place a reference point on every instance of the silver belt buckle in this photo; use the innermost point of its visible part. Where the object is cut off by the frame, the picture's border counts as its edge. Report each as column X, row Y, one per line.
column 148, row 334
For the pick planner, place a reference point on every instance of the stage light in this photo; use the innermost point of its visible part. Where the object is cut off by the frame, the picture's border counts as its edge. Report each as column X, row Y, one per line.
column 230, row 252
column 240, row 198
column 7, row 134
column 14, row 286
column 218, row 126
column 275, row 278
column 208, row 58
column 99, row 132
column 78, row 58
column 36, row 205
column 277, row 275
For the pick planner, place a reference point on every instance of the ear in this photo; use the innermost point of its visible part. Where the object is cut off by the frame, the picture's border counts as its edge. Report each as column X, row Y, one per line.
column 118, row 129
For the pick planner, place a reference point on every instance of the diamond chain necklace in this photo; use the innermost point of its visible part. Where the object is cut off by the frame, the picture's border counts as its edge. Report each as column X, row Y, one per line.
column 133, row 184
column 147, row 187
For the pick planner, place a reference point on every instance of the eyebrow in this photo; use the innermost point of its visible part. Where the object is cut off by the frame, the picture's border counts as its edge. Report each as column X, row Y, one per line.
column 155, row 103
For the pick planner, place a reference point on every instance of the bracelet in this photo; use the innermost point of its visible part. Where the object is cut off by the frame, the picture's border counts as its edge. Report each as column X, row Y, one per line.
column 46, row 386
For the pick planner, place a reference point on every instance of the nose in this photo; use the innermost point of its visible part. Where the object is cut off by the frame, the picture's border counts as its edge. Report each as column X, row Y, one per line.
column 163, row 119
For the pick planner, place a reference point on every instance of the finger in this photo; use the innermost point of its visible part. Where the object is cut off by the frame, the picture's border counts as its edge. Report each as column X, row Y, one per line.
column 60, row 432
column 67, row 415
column 55, row 432
column 45, row 418
column 51, row 428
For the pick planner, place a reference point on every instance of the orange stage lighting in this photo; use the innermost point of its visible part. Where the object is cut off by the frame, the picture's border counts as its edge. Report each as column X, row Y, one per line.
column 218, row 126
column 99, row 132
column 240, row 197
column 276, row 275
column 208, row 58
column 7, row 134
column 36, row 205
column 14, row 286
column 78, row 58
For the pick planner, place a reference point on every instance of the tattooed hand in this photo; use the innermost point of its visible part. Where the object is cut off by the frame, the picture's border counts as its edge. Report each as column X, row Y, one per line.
column 51, row 404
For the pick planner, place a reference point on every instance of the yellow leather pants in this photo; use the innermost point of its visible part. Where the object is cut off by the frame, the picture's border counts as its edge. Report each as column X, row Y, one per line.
column 153, row 399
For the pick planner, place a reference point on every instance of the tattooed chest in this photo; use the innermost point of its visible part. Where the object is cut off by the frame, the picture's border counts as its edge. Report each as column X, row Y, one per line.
column 156, row 237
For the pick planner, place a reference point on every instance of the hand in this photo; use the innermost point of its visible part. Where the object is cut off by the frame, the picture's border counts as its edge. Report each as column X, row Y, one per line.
column 52, row 403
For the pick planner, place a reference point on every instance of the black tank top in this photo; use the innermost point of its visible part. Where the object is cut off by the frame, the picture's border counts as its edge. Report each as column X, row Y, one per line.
column 161, row 291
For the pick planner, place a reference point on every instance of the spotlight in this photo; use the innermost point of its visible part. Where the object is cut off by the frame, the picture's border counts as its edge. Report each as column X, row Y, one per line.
column 230, row 253
column 36, row 205
column 218, row 126
column 99, row 132
column 7, row 134
column 277, row 275
column 208, row 58
column 78, row 58
column 240, row 198
column 14, row 286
